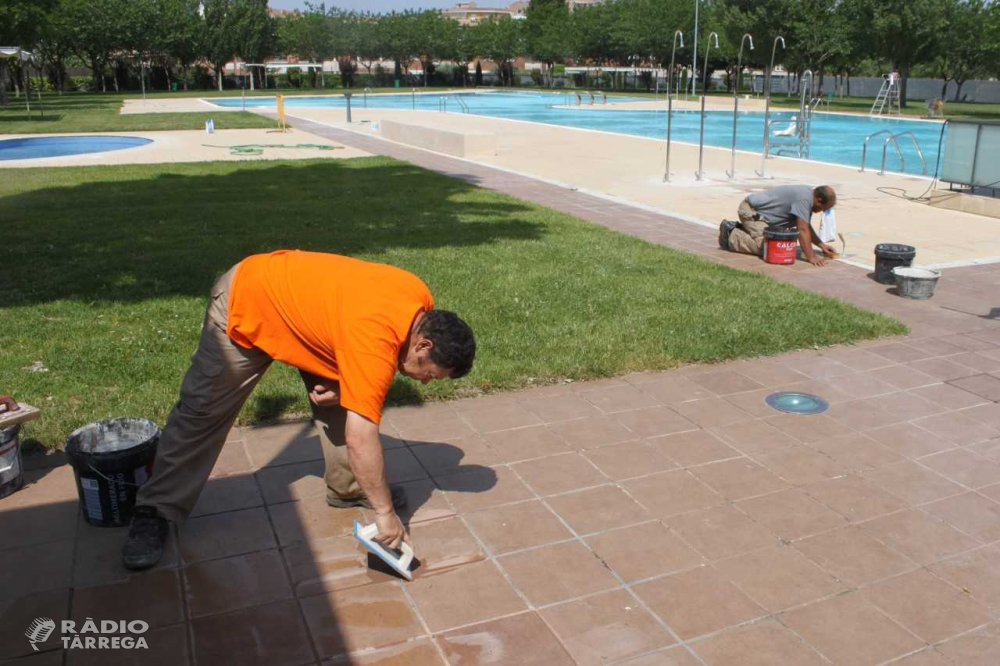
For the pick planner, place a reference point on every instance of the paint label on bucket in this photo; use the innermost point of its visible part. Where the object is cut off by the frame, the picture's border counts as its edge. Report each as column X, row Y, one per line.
column 92, row 498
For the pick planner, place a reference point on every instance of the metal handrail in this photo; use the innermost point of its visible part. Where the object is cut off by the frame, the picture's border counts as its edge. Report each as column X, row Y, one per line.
column 736, row 103
column 365, row 94
column 864, row 150
column 916, row 144
column 885, row 148
column 461, row 103
column 704, row 93
column 670, row 101
column 767, row 108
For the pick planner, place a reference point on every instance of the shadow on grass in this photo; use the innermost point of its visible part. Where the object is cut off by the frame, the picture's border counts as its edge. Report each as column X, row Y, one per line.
column 35, row 117
column 131, row 233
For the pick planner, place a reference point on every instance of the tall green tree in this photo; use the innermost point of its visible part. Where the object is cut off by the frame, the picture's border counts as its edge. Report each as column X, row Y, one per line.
column 55, row 43
column 966, row 46
column 545, row 32
column 180, row 34
column 218, row 39
column 502, row 41
column 98, row 26
column 434, row 39
column 21, row 24
column 253, row 30
column 308, row 34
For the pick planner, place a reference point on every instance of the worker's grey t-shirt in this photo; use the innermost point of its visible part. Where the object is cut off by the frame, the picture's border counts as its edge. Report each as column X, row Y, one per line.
column 782, row 205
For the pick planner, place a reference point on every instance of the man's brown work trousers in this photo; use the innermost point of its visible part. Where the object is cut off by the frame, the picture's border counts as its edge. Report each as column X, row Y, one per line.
column 750, row 238
column 219, row 381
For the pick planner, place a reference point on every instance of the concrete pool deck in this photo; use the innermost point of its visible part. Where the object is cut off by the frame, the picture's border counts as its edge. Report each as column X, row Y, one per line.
column 190, row 146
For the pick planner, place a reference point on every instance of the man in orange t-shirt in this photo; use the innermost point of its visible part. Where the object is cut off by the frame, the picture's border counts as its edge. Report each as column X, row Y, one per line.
column 348, row 326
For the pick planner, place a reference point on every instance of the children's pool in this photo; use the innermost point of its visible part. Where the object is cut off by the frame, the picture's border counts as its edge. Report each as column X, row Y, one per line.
column 56, row 146
column 837, row 138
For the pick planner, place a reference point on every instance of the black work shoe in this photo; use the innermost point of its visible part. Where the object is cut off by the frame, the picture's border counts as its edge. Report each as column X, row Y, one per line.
column 725, row 229
column 144, row 546
column 398, row 500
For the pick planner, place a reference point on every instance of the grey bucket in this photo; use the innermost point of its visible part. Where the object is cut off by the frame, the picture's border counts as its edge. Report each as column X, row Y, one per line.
column 111, row 460
column 11, row 467
column 916, row 283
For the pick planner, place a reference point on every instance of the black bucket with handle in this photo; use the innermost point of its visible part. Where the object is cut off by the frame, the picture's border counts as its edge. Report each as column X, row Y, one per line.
column 111, row 460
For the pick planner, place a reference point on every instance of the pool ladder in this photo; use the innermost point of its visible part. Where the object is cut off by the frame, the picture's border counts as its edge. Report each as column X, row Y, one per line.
column 892, row 138
column 443, row 103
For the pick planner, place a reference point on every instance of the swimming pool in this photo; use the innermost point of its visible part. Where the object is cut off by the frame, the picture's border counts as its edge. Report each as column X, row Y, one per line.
column 836, row 138
column 56, row 146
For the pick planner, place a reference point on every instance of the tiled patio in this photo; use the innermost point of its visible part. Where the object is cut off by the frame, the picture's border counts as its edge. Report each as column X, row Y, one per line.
column 655, row 519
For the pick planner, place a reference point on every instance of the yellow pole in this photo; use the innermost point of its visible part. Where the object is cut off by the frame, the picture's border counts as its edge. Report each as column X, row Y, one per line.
column 281, row 112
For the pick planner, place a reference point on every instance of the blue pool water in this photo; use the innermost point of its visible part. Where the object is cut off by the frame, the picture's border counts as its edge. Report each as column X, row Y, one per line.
column 836, row 138
column 56, row 146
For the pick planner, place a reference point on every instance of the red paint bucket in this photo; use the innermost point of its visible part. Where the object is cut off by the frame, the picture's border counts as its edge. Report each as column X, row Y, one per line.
column 780, row 246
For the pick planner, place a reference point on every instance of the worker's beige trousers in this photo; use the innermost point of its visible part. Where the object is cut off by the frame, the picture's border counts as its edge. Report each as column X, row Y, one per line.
column 750, row 238
column 219, row 381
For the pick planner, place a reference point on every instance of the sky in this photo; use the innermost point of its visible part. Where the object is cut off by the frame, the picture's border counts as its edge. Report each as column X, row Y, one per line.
column 376, row 6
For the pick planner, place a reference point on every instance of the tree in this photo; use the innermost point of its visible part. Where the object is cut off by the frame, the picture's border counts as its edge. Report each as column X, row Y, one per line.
column 180, row 29
column 21, row 22
column 399, row 32
column 501, row 40
column 545, row 34
column 218, row 41
column 307, row 34
column 966, row 44
column 466, row 50
column 252, row 30
column 435, row 38
column 55, row 44
column 96, row 30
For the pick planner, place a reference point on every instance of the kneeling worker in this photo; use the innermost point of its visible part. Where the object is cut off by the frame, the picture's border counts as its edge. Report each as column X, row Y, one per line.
column 782, row 207
column 348, row 326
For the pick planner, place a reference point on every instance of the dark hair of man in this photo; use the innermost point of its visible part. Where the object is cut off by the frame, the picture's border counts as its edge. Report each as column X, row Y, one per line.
column 825, row 194
column 454, row 345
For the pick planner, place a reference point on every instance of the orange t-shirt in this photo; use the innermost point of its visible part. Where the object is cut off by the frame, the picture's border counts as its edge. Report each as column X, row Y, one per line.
column 335, row 317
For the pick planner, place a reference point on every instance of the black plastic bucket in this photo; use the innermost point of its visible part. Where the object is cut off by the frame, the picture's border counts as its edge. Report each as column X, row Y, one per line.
column 890, row 255
column 111, row 460
column 11, row 467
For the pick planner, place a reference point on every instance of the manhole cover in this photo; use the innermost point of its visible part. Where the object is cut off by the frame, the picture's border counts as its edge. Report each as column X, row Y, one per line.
column 797, row 403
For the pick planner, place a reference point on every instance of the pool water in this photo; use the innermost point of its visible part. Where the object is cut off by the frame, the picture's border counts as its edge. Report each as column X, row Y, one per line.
column 837, row 138
column 57, row 146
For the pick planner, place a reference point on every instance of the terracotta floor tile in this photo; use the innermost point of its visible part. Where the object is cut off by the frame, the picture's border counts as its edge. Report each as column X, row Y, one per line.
column 948, row 396
column 673, row 389
column 627, row 551
column 561, row 408
column 445, row 424
column 936, row 346
column 221, row 586
column 769, row 373
column 752, row 402
column 154, row 598
column 554, row 573
column 669, row 493
column 629, row 459
column 927, row 657
column 927, row 606
column 857, row 359
column 992, row 492
column 799, row 465
column 424, row 501
column 98, row 556
column 855, row 497
column 491, row 417
column 440, row 458
column 808, row 428
column 323, row 565
column 913, row 482
column 39, row 524
column 655, row 421
column 957, row 428
column 712, row 412
column 764, row 643
column 591, row 432
column 297, row 443
column 853, row 556
column 417, row 652
column 978, row 648
column 693, row 447
column 525, row 443
column 968, row 342
column 444, row 544
column 234, row 459
column 619, row 398
column 861, row 385
column 942, row 368
column 903, row 376
column 517, row 526
column 597, row 509
column 726, row 382
column 310, row 519
column 18, row 614
column 988, row 414
column 720, row 532
column 978, row 362
column 559, row 474
column 861, row 415
column 605, row 628
column 482, row 489
column 371, row 616
column 228, row 493
column 820, row 367
column 739, row 478
column 519, row 640
column 292, row 482
column 463, row 595
column 271, row 635
column 905, row 406
column 971, row 513
column 909, row 441
column 167, row 646
column 856, row 452
column 977, row 571
column 848, row 630
column 754, row 437
column 697, row 602
column 225, row 535
column 920, row 537
column 675, row 656
column 791, row 514
column 899, row 352
column 779, row 577
column 985, row 386
column 965, row 467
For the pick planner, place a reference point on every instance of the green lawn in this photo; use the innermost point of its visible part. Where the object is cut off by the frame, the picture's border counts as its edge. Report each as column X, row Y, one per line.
column 99, row 113
column 107, row 271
